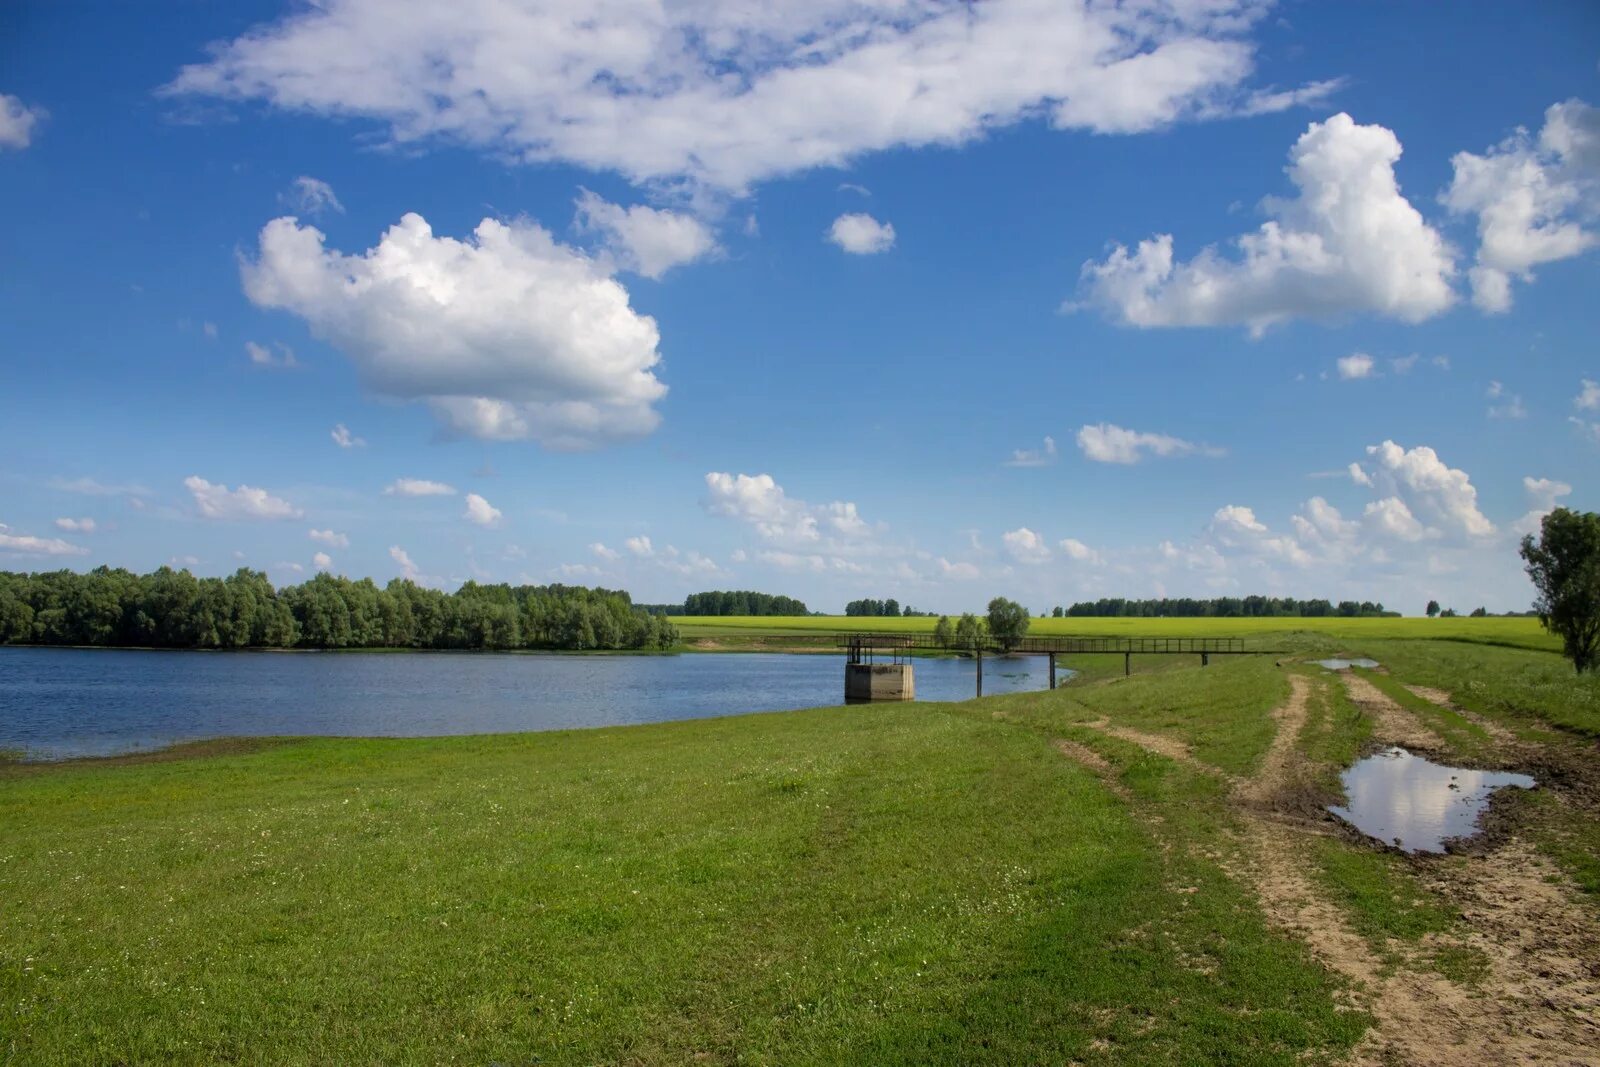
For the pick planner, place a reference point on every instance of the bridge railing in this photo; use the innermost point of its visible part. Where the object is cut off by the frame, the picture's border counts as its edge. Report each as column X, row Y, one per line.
column 891, row 642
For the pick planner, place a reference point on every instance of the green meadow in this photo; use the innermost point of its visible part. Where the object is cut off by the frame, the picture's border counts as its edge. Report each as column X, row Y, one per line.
column 999, row 881
column 1520, row 632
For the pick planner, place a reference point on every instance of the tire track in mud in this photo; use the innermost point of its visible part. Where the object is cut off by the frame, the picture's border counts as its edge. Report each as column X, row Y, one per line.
column 1540, row 1003
column 1497, row 733
column 1160, row 744
column 1391, row 722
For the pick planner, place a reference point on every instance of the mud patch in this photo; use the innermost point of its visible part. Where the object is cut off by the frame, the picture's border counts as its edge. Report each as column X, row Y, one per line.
column 1543, row 948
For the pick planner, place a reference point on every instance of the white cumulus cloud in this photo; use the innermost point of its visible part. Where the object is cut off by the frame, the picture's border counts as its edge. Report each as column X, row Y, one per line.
column 1543, row 496
column 219, row 502
column 17, row 122
column 1106, row 443
column 760, row 501
column 861, row 234
column 330, row 538
column 506, row 335
column 76, row 525
column 1348, row 242
column 1025, row 546
column 408, row 569
column 322, row 561
column 1535, row 200
column 646, row 240
column 480, row 512
column 1356, row 365
column 1236, row 527
column 640, row 546
column 729, row 94
column 28, row 545
column 1392, row 518
column 609, row 554
column 1075, row 549
column 1419, row 479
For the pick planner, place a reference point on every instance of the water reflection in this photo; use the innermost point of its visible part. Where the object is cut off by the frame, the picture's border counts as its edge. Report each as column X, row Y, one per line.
column 1346, row 664
column 1415, row 804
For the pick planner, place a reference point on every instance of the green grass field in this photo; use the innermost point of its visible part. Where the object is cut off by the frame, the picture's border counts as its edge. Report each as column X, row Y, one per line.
column 887, row 884
column 1517, row 632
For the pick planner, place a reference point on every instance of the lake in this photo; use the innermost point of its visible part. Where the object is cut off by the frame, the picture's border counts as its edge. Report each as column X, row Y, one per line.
column 60, row 702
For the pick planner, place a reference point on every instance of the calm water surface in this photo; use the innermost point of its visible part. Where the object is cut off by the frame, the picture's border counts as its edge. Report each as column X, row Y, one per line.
column 57, row 702
column 1416, row 804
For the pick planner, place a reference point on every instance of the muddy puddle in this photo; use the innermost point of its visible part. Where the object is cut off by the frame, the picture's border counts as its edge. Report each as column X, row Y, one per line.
column 1345, row 664
column 1415, row 804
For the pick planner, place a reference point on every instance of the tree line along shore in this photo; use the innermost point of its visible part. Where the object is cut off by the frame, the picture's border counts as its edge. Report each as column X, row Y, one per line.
column 174, row 609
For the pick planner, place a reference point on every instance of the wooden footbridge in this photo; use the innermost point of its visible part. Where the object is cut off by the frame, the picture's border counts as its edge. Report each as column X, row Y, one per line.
column 863, row 648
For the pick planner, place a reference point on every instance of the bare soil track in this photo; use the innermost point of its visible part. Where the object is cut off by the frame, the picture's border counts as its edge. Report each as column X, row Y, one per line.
column 1538, row 1003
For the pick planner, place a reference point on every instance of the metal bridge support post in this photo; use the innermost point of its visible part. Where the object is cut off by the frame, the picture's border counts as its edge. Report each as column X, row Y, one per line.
column 1052, row 670
column 980, row 672
column 1127, row 664
column 1205, row 659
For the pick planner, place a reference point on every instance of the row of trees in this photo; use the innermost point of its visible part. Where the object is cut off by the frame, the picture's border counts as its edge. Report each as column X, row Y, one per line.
column 869, row 608
column 1222, row 607
column 174, row 609
column 890, row 608
column 1005, row 622
column 1433, row 612
column 741, row 602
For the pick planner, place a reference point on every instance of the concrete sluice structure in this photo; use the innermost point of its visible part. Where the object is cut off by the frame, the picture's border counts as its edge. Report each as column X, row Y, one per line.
column 879, row 681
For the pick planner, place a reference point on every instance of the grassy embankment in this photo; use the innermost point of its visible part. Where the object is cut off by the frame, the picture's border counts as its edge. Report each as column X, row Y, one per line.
column 888, row 884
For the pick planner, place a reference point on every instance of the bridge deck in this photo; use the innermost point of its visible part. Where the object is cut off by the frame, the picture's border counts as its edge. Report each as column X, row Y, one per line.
column 1042, row 646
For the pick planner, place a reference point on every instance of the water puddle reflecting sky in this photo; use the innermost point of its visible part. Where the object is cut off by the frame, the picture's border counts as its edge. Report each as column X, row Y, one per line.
column 1416, row 804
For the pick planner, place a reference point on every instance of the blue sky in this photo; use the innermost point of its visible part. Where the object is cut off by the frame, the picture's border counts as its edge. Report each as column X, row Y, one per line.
column 713, row 295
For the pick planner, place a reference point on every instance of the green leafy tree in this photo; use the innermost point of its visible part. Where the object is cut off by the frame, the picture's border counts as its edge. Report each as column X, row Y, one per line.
column 1433, row 608
column 1008, row 622
column 943, row 633
column 1564, row 565
column 1478, row 613
column 969, row 632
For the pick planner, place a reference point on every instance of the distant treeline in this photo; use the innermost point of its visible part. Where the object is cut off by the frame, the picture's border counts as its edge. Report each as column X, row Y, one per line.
column 1223, row 607
column 174, row 609
column 880, row 608
column 741, row 602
